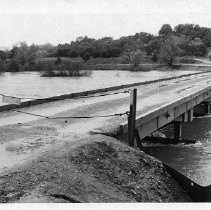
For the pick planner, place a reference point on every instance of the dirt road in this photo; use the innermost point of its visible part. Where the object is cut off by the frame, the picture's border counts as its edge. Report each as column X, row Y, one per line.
column 24, row 138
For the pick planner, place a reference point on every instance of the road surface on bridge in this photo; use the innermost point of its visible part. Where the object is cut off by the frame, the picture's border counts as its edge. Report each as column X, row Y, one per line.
column 25, row 137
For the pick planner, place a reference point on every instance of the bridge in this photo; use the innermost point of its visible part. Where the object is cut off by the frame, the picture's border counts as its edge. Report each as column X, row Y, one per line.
column 56, row 122
column 178, row 111
column 159, row 103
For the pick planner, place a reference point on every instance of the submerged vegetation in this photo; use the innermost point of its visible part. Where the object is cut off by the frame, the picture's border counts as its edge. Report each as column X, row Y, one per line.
column 130, row 51
column 64, row 69
column 66, row 73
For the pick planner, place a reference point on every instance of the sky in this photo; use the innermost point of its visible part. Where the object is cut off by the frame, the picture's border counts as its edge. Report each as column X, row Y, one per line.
column 62, row 21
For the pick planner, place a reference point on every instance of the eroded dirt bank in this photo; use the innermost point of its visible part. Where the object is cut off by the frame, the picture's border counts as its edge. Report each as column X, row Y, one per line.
column 94, row 169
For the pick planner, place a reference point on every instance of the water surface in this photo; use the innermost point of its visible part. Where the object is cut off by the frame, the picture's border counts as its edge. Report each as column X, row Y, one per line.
column 192, row 160
column 31, row 84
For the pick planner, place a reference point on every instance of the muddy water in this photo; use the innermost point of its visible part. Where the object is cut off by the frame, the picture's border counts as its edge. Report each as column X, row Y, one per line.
column 192, row 160
column 32, row 85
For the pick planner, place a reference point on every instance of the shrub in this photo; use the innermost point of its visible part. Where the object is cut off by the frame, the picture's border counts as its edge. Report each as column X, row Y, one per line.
column 85, row 56
column 195, row 49
column 58, row 61
column 65, row 69
column 13, row 66
column 168, row 52
column 2, row 68
column 155, row 56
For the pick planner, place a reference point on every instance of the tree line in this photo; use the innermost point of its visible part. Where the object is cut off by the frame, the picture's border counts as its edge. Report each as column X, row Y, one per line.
column 182, row 40
column 187, row 39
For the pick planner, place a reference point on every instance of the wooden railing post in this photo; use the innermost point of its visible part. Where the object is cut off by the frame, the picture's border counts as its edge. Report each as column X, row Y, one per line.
column 132, row 117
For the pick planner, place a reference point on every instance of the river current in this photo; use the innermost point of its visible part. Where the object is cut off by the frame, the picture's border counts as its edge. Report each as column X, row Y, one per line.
column 192, row 160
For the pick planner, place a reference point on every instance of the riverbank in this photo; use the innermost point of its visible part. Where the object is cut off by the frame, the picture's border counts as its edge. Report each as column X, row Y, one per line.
column 148, row 67
column 95, row 169
column 64, row 64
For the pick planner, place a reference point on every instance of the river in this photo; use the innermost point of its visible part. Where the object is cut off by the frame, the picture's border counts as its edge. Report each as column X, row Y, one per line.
column 32, row 85
column 193, row 160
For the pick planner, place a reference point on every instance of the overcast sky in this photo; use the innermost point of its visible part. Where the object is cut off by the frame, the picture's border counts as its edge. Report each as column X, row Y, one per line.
column 60, row 21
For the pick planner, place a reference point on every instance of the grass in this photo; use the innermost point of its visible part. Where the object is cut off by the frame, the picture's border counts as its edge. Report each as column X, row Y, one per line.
column 188, row 60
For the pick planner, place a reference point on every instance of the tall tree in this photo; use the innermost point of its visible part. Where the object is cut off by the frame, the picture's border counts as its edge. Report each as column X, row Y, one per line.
column 168, row 51
column 3, row 56
column 165, row 30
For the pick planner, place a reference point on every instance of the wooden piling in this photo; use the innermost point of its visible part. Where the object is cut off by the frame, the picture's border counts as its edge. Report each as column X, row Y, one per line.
column 132, row 117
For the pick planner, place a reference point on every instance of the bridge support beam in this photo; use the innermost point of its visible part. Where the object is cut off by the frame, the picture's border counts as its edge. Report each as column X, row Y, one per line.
column 190, row 115
column 207, row 107
column 177, row 131
column 185, row 117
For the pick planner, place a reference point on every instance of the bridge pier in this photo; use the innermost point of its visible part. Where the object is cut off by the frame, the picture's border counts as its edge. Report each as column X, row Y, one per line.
column 190, row 115
column 207, row 107
column 177, row 135
column 177, row 131
column 184, row 118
